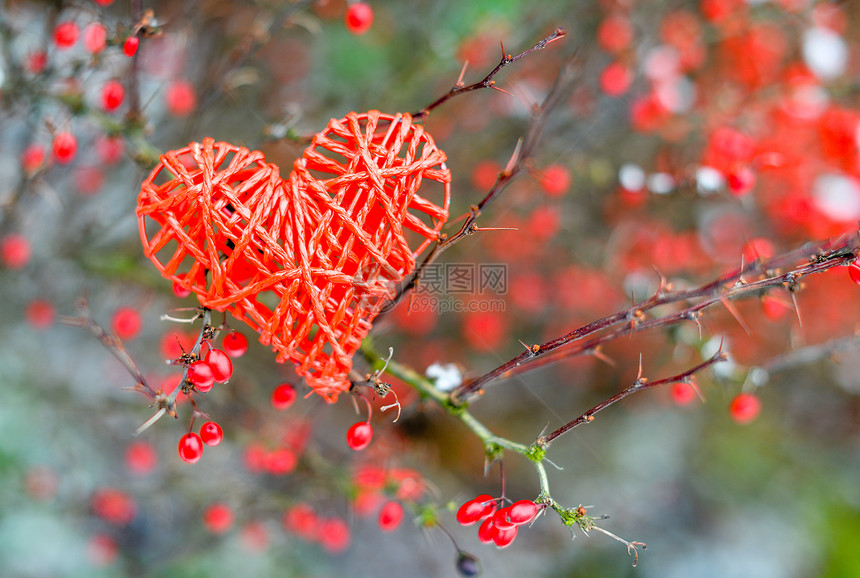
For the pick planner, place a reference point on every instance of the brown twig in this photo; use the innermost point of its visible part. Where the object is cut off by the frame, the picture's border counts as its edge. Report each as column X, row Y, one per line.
column 488, row 81
column 821, row 257
column 518, row 162
column 640, row 384
column 111, row 342
column 165, row 403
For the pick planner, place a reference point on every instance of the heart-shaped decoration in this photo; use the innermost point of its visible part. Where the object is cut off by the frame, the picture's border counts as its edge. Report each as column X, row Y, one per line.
column 306, row 261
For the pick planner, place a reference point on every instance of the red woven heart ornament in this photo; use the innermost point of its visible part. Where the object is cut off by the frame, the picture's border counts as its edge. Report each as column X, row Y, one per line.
column 308, row 261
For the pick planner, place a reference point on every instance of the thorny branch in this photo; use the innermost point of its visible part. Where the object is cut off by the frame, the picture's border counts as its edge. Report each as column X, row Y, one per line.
column 640, row 384
column 820, row 257
column 520, row 159
column 111, row 342
column 166, row 403
column 488, row 81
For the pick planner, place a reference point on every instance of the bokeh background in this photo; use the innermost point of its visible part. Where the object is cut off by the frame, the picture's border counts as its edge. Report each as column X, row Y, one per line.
column 696, row 135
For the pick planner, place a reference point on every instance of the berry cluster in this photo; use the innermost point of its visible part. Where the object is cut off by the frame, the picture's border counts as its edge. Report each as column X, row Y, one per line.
column 501, row 525
column 201, row 375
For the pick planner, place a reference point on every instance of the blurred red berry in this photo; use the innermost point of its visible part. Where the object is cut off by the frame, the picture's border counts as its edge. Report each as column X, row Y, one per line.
column 359, row 17
column 283, row 396
column 615, row 79
column 126, row 323
column 114, row 506
column 774, row 308
column 301, row 520
column 190, row 448
column 255, row 536
column 280, row 462
column 65, row 35
column 484, row 175
column 390, row 516
column 102, row 550
column 181, row 98
column 202, row 375
column 37, row 61
column 113, row 93
column 14, row 251
column 615, row 33
column 222, row 367
column 682, row 393
column 64, row 148
column 218, row 518
column 129, row 47
column 555, row 180
column 140, row 457
column 180, row 291
column 744, row 408
column 109, row 148
column 235, row 344
column 334, row 535
column 39, row 313
column 103, row 2
column 95, row 37
column 211, row 433
column 359, row 435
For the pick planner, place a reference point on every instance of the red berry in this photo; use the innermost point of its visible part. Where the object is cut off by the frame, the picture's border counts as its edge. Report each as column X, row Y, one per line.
column 126, row 323
column 37, row 61
column 523, row 512
column 854, row 272
column 140, row 457
column 102, row 550
column 33, row 158
column 615, row 79
column 180, row 291
column 104, row 2
column 682, row 393
column 555, row 180
column 211, row 433
column 484, row 175
column 65, row 35
column 95, row 37
column 14, row 251
column 202, row 375
column 235, row 344
column 218, row 518
column 129, row 47
column 301, row 520
column 113, row 93
column 114, row 506
column 476, row 509
column 740, row 181
column 64, row 148
column 744, row 408
column 280, row 462
column 40, row 313
column 359, row 435
column 334, row 535
column 283, row 396
column 110, row 148
column 390, row 516
column 222, row 367
column 190, row 448
column 504, row 536
column 359, row 18
column 487, row 531
column 181, row 98
column 501, row 520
